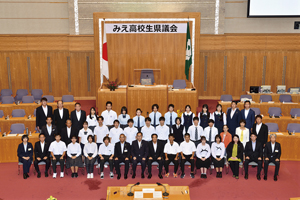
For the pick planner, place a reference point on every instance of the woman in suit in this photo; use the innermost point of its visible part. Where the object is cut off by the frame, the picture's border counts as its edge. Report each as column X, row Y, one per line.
column 235, row 151
column 25, row 154
column 243, row 132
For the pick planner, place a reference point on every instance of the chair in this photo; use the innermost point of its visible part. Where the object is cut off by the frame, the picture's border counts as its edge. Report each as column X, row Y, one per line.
column 67, row 98
column 37, row 94
column 246, row 96
column 295, row 111
column 276, row 111
column 21, row 164
column 6, row 92
column 285, row 98
column 27, row 99
column 50, row 98
column 273, row 127
column 18, row 113
column 265, row 98
column 20, row 94
column 147, row 74
column 293, row 88
column 17, row 128
column 8, row 100
column 34, row 113
column 293, row 127
column 256, row 110
column 1, row 113
column 43, row 163
column 179, row 84
column 226, row 97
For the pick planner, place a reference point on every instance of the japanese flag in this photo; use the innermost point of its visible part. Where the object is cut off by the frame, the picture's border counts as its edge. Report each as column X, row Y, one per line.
column 104, row 70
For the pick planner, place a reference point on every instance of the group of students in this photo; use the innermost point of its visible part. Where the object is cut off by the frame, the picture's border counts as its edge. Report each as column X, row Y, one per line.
column 162, row 139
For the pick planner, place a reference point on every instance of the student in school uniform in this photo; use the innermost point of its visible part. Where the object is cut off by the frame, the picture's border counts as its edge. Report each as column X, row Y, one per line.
column 219, row 118
column 235, row 155
column 195, row 131
column 248, row 115
column 115, row 132
column 130, row 132
column 188, row 150
column 226, row 137
column 49, row 130
column 178, row 130
column 210, row 132
column 78, row 117
column 74, row 156
column 218, row 152
column 122, row 155
column 67, row 132
column 272, row 155
column 92, row 119
column 155, row 115
column 139, row 120
column 106, row 154
column 203, row 154
column 187, row 117
column 83, row 135
column 171, row 151
column 58, row 151
column 243, row 132
column 148, row 130
column 90, row 152
column 156, row 152
column 204, row 116
column 170, row 117
column 234, row 117
column 109, row 115
column 41, row 152
column 100, row 131
column 25, row 155
column 162, row 131
column 123, row 118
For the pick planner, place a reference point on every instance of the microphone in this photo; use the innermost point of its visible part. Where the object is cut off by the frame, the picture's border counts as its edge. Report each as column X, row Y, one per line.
column 130, row 193
column 165, row 193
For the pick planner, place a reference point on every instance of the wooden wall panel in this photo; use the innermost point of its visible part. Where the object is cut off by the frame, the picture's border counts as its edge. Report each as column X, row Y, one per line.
column 39, row 70
column 3, row 71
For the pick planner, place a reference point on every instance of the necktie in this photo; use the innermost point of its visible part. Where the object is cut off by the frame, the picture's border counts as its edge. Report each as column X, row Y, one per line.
column 154, row 123
column 196, row 134
column 242, row 135
column 138, row 123
column 209, row 138
column 170, row 119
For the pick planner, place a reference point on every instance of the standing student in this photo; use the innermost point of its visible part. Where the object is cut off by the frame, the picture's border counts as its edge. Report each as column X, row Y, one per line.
column 261, row 130
column 187, row 117
column 130, row 132
column 148, row 130
column 188, row 150
column 106, row 154
column 90, row 152
column 248, row 115
column 115, row 132
column 139, row 120
column 162, row 131
column 234, row 117
column 210, row 132
column 272, row 155
column 195, row 131
column 235, row 154
column 58, row 151
column 156, row 152
column 41, row 152
column 204, row 116
column 243, row 132
column 178, row 131
column 220, row 118
column 92, row 119
column 123, row 118
column 203, row 154
column 83, row 135
column 170, row 117
column 226, row 136
column 155, row 115
column 67, row 132
column 218, row 152
column 60, row 116
column 73, row 156
column 171, row 151
column 78, row 116
column 49, row 130
column 100, row 131
column 122, row 155
column 109, row 115
column 42, row 112
column 25, row 155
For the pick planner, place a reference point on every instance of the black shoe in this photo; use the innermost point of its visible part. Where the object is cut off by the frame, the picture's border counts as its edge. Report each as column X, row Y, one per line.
column 182, row 175
column 24, row 176
column 258, row 177
column 246, row 176
column 201, row 176
column 265, row 178
column 27, row 175
column 160, row 176
column 46, row 174
column 142, row 176
column 192, row 175
column 119, row 176
column 125, row 176
column 149, row 176
column 76, row 175
column 73, row 175
column 204, row 176
column 39, row 175
column 220, row 175
column 133, row 176
column 275, row 178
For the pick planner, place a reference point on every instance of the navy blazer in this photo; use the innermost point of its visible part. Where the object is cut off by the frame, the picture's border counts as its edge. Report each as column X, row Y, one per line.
column 250, row 118
column 139, row 152
column 22, row 153
column 41, row 117
column 233, row 122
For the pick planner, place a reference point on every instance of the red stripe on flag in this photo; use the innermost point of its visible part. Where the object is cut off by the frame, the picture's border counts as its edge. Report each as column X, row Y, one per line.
column 104, row 50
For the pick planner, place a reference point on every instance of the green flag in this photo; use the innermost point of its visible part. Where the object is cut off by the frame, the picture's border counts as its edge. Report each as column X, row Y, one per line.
column 188, row 52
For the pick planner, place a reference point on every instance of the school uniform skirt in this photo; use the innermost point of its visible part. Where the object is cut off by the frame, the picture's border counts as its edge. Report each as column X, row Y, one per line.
column 74, row 162
column 218, row 163
column 202, row 164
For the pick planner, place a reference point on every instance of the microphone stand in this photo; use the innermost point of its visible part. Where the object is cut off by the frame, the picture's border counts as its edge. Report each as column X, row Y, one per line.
column 165, row 193
column 130, row 193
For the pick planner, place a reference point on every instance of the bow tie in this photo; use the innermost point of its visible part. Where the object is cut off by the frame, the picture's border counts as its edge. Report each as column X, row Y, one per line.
column 203, row 150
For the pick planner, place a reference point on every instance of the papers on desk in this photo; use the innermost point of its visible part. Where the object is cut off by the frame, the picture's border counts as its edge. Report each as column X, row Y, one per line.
column 122, row 86
column 20, row 135
column 139, row 86
column 10, row 135
column 279, row 133
column 271, row 102
column 289, row 103
column 140, row 194
column 226, row 101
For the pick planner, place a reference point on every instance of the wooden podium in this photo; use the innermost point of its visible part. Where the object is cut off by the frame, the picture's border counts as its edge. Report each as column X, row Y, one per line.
column 175, row 192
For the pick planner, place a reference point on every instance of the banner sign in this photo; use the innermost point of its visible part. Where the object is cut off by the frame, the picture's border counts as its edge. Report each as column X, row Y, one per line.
column 146, row 28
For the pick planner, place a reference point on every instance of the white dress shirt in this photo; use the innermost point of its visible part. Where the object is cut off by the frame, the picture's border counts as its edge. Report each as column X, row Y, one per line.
column 172, row 149
column 192, row 130
column 49, row 129
column 245, row 137
column 74, row 149
column 154, row 146
column 42, row 146
column 167, row 117
column 190, row 113
column 109, row 117
column 122, row 120
column 203, row 151
column 273, row 147
column 147, row 132
column 90, row 148
column 162, row 132
column 122, row 146
column 218, row 150
column 212, row 116
column 214, row 132
column 139, row 143
column 25, row 147
column 258, row 126
column 45, row 109
column 69, row 132
column 106, row 150
column 187, row 148
column 177, row 126
column 114, row 134
column 130, row 134
column 246, row 113
column 84, row 136
column 101, row 132
column 57, row 148
column 157, row 116
column 78, row 114
column 142, row 121
column 93, row 121
column 61, row 112
column 232, row 113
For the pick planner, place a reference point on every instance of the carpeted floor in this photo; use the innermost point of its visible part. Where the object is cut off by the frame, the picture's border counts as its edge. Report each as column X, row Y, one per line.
column 14, row 187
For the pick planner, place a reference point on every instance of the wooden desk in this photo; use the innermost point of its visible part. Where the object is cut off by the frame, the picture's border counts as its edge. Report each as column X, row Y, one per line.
column 181, row 98
column 275, row 97
column 175, row 192
column 5, row 124
column 282, row 121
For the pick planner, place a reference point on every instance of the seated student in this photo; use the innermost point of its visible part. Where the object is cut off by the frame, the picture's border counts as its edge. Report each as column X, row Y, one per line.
column 92, row 119
column 210, row 132
column 122, row 155
column 155, row 115
column 123, row 118
column 203, row 154
column 178, row 131
column 73, row 156
column 130, row 132
column 187, row 117
column 171, row 151
column 243, row 132
column 49, row 130
column 148, row 130
column 109, row 115
column 106, row 154
column 226, row 137
column 25, row 153
column 139, row 153
column 195, row 131
column 218, row 152
column 170, row 116
column 139, row 120
column 83, row 134
column 68, row 131
column 100, row 131
column 235, row 155
column 272, row 155
column 248, row 115
column 156, row 152
column 58, row 151
column 162, row 131
column 219, row 118
column 90, row 152
column 115, row 132
column 41, row 152
column 188, row 150
column 204, row 116
column 253, row 153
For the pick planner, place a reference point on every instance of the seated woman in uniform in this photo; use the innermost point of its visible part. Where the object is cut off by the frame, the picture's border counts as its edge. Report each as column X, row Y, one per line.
column 25, row 154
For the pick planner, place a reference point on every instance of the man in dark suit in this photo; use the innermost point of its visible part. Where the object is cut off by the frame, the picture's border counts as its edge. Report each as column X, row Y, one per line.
column 234, row 117
column 122, row 155
column 156, row 152
column 139, row 153
column 42, row 154
column 78, row 116
column 261, row 130
column 60, row 116
column 67, row 132
column 42, row 112
column 272, row 155
column 253, row 153
column 248, row 115
column 49, row 130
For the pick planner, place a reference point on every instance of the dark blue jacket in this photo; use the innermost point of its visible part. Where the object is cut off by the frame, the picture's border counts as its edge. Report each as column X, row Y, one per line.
column 250, row 118
column 233, row 122
column 28, row 153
